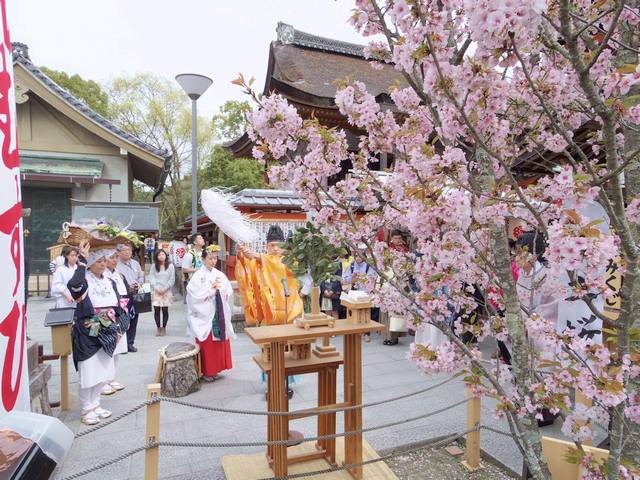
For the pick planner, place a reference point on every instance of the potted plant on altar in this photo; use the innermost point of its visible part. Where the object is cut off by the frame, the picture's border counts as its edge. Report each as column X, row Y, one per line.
column 311, row 255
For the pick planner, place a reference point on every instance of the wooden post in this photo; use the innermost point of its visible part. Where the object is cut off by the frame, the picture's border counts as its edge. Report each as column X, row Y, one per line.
column 315, row 300
column 153, row 433
column 278, row 401
column 64, row 382
column 472, row 454
column 353, row 395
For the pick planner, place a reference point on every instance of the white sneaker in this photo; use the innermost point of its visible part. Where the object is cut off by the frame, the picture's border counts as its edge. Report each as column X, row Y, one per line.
column 90, row 418
column 107, row 390
column 102, row 413
column 117, row 386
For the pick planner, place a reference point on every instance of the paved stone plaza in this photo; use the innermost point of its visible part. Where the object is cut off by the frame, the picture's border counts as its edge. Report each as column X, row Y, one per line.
column 386, row 373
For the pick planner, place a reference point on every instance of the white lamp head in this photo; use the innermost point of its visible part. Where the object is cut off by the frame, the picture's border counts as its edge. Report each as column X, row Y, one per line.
column 194, row 84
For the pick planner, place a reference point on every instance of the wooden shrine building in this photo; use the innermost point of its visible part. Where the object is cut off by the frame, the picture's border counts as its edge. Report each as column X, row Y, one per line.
column 303, row 68
column 76, row 164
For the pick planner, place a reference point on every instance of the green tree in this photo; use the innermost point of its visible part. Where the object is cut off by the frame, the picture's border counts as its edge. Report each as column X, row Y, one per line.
column 157, row 111
column 222, row 170
column 141, row 192
column 231, row 120
column 88, row 90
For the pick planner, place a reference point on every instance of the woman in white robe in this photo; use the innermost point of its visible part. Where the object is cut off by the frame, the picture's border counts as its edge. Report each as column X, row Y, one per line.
column 95, row 333
column 208, row 295
column 61, row 277
column 112, row 386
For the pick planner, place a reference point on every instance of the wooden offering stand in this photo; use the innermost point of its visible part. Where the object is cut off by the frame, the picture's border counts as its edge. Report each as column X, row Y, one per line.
column 283, row 364
column 318, row 319
column 357, row 312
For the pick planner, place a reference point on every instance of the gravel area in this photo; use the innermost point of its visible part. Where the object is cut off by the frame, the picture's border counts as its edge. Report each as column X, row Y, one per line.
column 436, row 464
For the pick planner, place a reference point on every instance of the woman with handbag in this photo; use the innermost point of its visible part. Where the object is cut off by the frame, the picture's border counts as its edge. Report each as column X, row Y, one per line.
column 123, row 319
column 62, row 275
column 161, row 277
column 95, row 329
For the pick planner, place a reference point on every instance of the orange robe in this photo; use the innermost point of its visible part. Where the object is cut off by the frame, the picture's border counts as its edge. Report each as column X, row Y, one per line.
column 260, row 285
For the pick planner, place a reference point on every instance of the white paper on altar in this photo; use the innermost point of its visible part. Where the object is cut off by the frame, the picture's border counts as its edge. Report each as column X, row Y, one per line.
column 356, row 296
column 14, row 382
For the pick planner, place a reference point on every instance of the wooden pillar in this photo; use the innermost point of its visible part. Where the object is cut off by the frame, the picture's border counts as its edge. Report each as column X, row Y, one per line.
column 353, row 395
column 270, row 420
column 278, row 401
column 332, row 374
column 153, row 433
column 327, row 379
column 64, row 382
column 472, row 454
column 322, row 401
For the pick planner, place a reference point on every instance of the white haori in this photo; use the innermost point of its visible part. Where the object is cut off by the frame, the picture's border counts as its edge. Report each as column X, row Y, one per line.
column 101, row 292
column 121, row 346
column 100, row 366
column 96, row 369
column 119, row 281
column 201, row 303
column 61, row 277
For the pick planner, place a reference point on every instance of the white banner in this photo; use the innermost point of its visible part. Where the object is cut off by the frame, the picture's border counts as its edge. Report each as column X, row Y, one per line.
column 14, row 384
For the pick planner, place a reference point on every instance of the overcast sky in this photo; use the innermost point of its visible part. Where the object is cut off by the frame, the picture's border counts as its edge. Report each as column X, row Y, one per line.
column 102, row 39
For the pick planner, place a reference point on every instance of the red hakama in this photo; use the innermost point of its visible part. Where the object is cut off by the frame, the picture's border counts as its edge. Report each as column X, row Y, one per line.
column 215, row 356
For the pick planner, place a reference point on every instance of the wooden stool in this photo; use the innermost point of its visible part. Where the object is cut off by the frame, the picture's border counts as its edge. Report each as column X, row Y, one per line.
column 179, row 369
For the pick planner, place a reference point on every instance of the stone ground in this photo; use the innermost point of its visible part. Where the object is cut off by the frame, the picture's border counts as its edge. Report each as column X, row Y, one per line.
column 428, row 464
column 386, row 373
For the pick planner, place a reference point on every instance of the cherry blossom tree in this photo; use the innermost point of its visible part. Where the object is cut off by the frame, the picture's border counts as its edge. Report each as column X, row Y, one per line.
column 491, row 88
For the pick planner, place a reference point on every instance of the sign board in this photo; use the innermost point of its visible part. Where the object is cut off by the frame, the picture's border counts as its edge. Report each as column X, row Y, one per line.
column 614, row 282
column 14, row 383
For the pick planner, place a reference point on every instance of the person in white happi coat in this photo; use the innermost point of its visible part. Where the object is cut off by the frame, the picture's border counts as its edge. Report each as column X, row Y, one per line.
column 95, row 329
column 62, row 275
column 112, row 386
column 209, row 314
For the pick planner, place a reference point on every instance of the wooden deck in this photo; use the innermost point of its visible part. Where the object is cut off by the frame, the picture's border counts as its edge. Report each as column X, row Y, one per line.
column 255, row 466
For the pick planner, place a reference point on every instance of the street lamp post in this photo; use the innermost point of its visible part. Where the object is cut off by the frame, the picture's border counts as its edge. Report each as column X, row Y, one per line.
column 194, row 86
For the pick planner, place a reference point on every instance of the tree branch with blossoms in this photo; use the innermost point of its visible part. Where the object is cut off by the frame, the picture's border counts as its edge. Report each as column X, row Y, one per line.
column 461, row 129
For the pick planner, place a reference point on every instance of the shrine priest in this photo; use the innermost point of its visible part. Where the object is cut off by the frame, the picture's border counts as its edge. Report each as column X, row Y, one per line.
column 209, row 314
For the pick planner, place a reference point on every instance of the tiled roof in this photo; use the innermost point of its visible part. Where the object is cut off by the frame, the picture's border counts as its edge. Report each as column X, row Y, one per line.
column 311, row 64
column 289, row 35
column 250, row 197
column 21, row 56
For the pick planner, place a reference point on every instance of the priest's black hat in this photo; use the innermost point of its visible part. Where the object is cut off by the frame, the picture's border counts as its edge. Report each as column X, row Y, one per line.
column 275, row 234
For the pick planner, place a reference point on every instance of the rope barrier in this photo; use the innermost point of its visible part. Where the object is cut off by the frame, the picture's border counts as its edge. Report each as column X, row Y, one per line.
column 121, row 457
column 438, row 444
column 105, row 463
column 109, row 421
column 164, row 443
column 307, row 412
column 495, row 430
column 308, row 439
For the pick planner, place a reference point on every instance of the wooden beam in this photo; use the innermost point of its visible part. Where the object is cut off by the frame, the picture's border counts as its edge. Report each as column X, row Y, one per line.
column 302, row 413
column 305, row 457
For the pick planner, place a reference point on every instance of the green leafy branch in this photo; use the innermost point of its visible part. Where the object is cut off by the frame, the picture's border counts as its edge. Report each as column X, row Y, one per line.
column 310, row 252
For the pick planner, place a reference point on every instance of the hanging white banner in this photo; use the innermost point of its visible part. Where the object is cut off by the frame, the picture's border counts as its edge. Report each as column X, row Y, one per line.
column 14, row 383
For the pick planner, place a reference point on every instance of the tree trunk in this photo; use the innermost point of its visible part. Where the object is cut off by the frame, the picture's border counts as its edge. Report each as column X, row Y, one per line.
column 521, row 354
column 631, row 433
